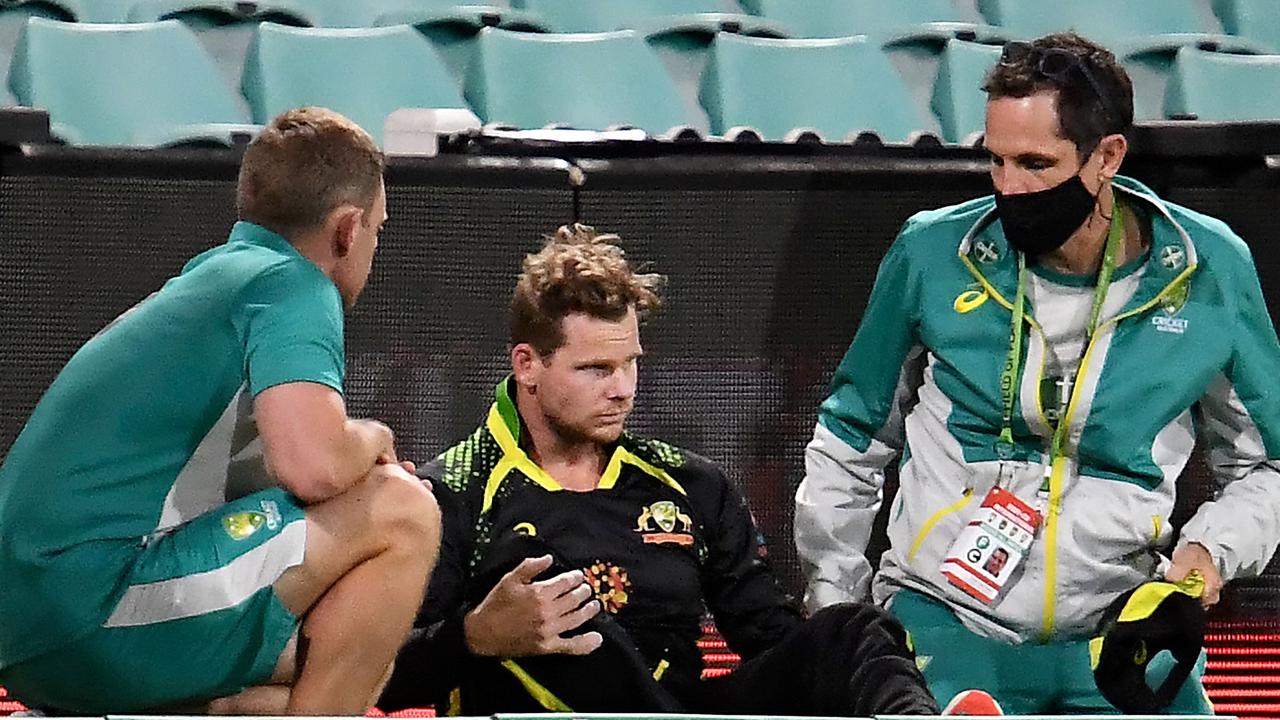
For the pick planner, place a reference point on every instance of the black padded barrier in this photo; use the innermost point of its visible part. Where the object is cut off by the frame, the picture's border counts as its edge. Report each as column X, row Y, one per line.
column 770, row 257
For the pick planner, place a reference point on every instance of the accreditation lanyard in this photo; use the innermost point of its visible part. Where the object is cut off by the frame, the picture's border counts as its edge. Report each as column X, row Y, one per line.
column 1009, row 375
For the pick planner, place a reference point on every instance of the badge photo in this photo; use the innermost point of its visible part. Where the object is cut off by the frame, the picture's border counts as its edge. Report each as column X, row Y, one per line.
column 991, row 546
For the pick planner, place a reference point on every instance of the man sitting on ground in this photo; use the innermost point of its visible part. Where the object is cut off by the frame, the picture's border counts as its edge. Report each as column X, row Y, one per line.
column 578, row 560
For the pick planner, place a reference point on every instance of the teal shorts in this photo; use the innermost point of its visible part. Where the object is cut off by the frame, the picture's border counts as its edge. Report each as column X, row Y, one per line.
column 199, row 618
column 1027, row 679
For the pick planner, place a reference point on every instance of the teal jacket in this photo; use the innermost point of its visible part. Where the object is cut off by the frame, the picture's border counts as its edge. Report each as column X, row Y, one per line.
column 1192, row 353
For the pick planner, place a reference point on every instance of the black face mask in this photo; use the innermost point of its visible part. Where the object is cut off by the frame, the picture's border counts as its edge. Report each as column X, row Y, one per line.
column 1040, row 222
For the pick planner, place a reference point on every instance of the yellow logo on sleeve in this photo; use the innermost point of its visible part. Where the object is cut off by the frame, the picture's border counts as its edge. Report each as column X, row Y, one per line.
column 243, row 524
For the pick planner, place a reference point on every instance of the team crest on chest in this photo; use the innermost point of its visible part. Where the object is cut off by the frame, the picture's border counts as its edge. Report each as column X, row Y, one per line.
column 662, row 522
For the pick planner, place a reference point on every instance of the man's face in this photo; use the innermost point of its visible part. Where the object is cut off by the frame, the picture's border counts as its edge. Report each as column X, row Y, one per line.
column 352, row 271
column 1028, row 152
column 586, row 388
column 997, row 562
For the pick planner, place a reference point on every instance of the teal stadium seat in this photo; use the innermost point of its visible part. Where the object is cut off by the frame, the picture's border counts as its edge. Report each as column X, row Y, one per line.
column 363, row 73
column 225, row 27
column 1144, row 34
column 357, row 13
column 958, row 100
column 13, row 19
column 648, row 17
column 1223, row 87
column 201, row 14
column 832, row 85
column 679, row 31
column 88, row 11
column 1256, row 20
column 590, row 81
column 452, row 28
column 145, row 85
column 894, row 22
column 1125, row 26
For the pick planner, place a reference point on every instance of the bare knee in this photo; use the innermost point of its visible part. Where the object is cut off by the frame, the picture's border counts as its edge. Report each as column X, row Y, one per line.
column 406, row 512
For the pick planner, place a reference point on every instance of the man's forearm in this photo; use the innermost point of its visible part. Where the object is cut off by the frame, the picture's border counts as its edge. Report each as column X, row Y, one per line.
column 339, row 464
column 364, row 442
column 1242, row 527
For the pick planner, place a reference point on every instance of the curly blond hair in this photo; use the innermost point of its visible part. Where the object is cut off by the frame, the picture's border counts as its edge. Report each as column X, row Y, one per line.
column 578, row 270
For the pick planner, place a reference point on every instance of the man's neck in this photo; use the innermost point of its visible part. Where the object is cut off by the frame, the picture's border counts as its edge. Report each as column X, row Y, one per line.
column 1082, row 253
column 576, row 464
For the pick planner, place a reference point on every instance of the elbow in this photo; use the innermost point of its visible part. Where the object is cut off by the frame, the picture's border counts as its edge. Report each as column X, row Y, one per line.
column 310, row 484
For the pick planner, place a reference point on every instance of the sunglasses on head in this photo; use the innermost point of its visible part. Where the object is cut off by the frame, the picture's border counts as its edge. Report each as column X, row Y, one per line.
column 1054, row 64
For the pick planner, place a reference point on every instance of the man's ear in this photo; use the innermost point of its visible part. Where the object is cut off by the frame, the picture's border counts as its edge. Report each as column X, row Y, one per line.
column 344, row 223
column 526, row 364
column 1112, row 150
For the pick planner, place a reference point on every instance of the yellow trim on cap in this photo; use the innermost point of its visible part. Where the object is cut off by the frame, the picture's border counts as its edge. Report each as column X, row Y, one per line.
column 1095, row 652
column 1148, row 597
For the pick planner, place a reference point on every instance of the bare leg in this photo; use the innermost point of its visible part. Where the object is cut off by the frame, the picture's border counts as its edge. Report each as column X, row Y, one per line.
column 259, row 700
column 271, row 699
column 369, row 554
column 382, row 685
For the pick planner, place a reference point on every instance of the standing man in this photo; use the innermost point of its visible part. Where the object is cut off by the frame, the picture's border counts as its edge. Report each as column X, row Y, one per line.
column 1043, row 360
column 553, row 514
column 189, row 515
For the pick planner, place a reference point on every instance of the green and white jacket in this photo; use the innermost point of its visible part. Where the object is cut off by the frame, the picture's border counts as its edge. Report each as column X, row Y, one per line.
column 1185, row 348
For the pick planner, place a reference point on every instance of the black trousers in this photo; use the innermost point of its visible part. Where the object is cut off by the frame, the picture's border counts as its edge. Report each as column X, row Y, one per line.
column 847, row 660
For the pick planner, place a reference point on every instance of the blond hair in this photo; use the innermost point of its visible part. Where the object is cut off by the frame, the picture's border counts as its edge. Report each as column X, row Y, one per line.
column 577, row 271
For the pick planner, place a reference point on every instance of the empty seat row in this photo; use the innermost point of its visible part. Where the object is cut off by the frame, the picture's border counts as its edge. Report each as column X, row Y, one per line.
column 1223, row 87
column 152, row 84
column 1106, row 20
column 1146, row 33
column 318, row 13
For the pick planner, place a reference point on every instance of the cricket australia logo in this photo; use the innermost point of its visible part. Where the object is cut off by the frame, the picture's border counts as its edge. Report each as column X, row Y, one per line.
column 243, row 524
column 1171, row 304
column 240, row 525
column 662, row 522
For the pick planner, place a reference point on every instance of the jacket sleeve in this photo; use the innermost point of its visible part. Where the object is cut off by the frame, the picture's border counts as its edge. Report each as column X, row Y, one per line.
column 431, row 662
column 1240, row 420
column 859, row 431
column 739, row 588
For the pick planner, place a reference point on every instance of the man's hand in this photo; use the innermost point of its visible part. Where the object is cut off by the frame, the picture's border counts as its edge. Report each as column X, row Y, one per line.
column 402, row 472
column 521, row 617
column 380, row 436
column 1194, row 556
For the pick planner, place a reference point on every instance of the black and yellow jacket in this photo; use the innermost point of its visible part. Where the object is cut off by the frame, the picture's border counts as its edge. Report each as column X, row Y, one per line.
column 664, row 538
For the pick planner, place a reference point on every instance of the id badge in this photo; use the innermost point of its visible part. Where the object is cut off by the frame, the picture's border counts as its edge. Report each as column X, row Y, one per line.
column 992, row 546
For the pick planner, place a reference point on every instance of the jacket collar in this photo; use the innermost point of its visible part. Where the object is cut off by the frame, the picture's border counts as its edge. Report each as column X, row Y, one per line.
column 993, row 262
